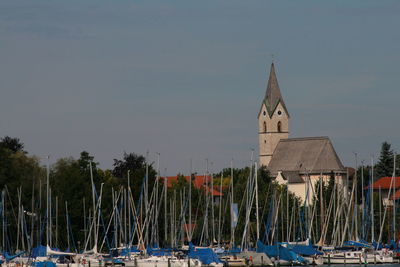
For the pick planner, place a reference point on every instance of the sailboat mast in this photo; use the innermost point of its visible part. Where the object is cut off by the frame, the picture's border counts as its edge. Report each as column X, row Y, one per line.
column 113, row 195
column 321, row 203
column 212, row 208
column 362, row 201
column 386, row 206
column 50, row 219
column 98, row 215
column 287, row 214
column 207, row 203
column 171, row 225
column 4, row 220
column 56, row 221
column 394, row 197
column 380, row 204
column 146, row 185
column 220, row 209
column 156, row 201
column 40, row 211
column 19, row 217
column 232, row 225
column 256, row 189
column 173, row 238
column 94, row 203
column 129, row 212
column 47, row 202
column 248, row 196
column 67, row 223
column 84, row 219
column 124, row 211
column 190, row 201
column 165, row 207
column 32, row 217
column 355, row 202
column 372, row 202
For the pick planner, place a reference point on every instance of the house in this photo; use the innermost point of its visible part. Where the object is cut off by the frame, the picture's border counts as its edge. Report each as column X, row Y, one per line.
column 201, row 182
column 302, row 162
column 387, row 185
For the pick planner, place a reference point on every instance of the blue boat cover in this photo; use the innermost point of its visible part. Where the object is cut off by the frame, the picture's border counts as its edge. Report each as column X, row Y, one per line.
column 126, row 251
column 159, row 251
column 43, row 264
column 393, row 245
column 39, row 251
column 377, row 245
column 205, row 255
column 356, row 244
column 234, row 250
column 9, row 257
column 278, row 251
column 115, row 261
column 305, row 250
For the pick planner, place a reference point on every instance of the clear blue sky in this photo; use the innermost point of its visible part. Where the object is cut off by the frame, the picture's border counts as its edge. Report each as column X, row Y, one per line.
column 186, row 78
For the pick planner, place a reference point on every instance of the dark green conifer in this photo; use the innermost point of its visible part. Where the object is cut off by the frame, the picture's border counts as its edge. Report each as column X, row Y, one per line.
column 384, row 167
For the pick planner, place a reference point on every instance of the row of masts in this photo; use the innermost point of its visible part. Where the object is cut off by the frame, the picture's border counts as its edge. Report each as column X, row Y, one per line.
column 281, row 217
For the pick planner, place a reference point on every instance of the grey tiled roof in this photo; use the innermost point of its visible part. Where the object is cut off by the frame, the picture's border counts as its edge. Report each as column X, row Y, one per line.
column 311, row 155
column 292, row 177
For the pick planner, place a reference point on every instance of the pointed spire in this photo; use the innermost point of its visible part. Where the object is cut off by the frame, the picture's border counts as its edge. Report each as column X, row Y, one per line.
column 273, row 94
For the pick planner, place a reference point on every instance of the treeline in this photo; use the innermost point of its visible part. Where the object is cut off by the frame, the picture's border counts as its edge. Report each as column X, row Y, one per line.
column 23, row 204
column 23, row 184
column 23, row 187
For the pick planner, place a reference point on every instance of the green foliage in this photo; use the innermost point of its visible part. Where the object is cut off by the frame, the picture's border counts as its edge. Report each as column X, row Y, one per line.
column 136, row 165
column 324, row 194
column 12, row 144
column 18, row 173
column 384, row 167
column 70, row 182
column 363, row 180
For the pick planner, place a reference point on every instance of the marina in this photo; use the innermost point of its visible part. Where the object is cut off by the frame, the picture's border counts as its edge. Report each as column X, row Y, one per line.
column 229, row 133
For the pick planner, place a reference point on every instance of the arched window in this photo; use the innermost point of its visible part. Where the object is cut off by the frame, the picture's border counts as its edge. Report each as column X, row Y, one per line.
column 279, row 127
column 265, row 127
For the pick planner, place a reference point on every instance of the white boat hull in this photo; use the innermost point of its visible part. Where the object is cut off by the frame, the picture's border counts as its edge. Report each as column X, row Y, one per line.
column 358, row 257
column 256, row 258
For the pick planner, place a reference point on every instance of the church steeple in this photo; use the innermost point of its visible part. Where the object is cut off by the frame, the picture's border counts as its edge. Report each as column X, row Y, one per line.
column 273, row 119
column 273, row 94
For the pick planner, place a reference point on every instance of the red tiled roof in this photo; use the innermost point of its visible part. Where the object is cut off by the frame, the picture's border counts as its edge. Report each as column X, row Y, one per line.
column 199, row 182
column 214, row 192
column 385, row 182
column 396, row 195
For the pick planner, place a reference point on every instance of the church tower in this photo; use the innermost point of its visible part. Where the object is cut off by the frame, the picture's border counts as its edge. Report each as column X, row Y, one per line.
column 273, row 120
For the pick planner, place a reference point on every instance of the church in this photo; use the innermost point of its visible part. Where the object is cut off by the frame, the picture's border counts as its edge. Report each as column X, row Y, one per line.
column 297, row 162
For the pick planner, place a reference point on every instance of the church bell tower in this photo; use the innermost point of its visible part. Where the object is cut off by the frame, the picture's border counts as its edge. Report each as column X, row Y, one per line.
column 273, row 120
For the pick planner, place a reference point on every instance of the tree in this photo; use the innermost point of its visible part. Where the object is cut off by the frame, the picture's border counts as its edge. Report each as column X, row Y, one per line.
column 130, row 162
column 13, row 144
column 19, row 176
column 136, row 164
column 384, row 167
column 264, row 175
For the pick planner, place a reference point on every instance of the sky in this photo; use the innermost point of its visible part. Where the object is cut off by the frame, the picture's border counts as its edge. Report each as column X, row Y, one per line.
column 186, row 79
